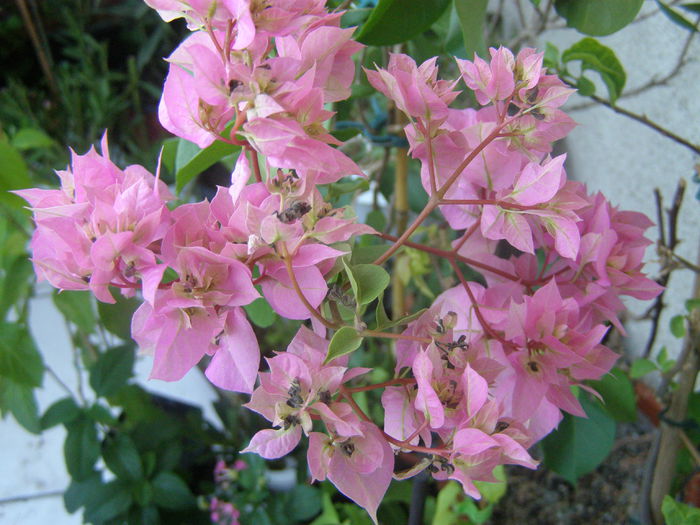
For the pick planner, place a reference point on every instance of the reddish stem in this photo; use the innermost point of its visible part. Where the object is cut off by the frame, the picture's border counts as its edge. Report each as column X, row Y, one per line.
column 465, row 237
column 297, row 289
column 389, row 335
column 481, row 202
column 484, row 324
column 383, row 384
column 256, row 164
column 452, row 256
column 420, row 429
column 210, row 31
column 437, row 197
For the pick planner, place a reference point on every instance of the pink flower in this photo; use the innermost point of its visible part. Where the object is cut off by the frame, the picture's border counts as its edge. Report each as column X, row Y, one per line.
column 490, row 82
column 360, row 467
column 101, row 227
column 298, row 386
column 415, row 89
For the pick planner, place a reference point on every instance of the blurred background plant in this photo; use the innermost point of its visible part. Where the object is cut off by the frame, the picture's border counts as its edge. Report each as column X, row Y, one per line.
column 89, row 65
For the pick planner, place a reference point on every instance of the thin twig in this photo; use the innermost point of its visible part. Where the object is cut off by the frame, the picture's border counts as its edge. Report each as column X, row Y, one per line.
column 654, row 81
column 664, row 247
column 38, row 48
column 58, row 380
column 692, row 450
column 645, row 516
column 665, row 468
column 643, row 119
column 29, row 497
column 313, row 311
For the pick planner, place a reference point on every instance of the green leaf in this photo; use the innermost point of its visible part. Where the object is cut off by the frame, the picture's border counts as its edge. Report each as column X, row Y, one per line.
column 101, row 414
column 678, row 326
column 692, row 304
column 642, row 367
column 372, row 280
column 351, row 277
column 596, row 57
column 112, row 370
column 492, row 492
column 305, row 502
column 190, row 160
column 61, row 412
column 618, row 395
column 377, row 220
column 169, row 153
column 579, row 445
column 343, row 135
column 476, row 515
column 14, row 175
column 598, row 17
column 29, row 138
column 677, row 513
column 20, row 361
column 344, row 341
column 551, row 56
column 365, row 254
column 346, row 186
column 380, row 315
column 664, row 362
column 383, row 321
column 122, row 458
column 81, row 448
column 143, row 492
column 472, row 18
column 261, row 313
column 116, row 317
column 79, row 493
column 19, row 277
column 355, row 17
column 170, row 492
column 395, row 21
column 107, row 502
column 144, row 515
column 448, row 496
column 19, row 399
column 77, row 307
column 329, row 516
column 585, row 87
column 676, row 17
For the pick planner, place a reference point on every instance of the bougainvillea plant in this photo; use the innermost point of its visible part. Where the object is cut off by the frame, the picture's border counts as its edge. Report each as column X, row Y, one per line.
column 482, row 374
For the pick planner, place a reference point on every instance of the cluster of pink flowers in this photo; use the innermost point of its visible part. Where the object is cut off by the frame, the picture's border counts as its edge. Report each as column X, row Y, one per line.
column 267, row 66
column 480, row 376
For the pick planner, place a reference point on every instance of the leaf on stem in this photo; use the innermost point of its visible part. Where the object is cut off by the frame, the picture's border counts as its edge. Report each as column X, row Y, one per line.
column 190, row 160
column 344, row 341
column 396, row 21
column 579, row 444
column 598, row 17
column 594, row 56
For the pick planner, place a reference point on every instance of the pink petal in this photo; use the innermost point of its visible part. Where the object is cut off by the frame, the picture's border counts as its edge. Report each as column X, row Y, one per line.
column 273, row 444
column 235, row 364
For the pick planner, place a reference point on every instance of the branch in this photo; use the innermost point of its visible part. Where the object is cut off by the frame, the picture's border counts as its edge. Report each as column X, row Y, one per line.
column 436, row 198
column 297, row 289
column 665, row 468
column 42, row 56
column 654, row 82
column 643, row 119
column 663, row 249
